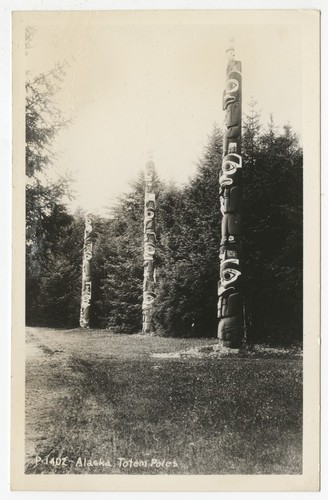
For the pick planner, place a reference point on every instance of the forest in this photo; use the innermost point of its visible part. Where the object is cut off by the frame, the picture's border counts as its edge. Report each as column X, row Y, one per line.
column 187, row 230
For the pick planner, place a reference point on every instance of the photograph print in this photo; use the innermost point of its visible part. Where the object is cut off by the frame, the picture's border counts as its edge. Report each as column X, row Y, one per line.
column 162, row 270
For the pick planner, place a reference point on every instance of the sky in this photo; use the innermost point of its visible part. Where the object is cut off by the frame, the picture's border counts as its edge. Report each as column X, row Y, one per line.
column 137, row 85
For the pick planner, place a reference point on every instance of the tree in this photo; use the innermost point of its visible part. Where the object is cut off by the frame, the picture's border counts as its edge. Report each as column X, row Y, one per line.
column 187, row 251
column 118, row 259
column 273, row 259
column 251, row 134
column 43, row 120
column 188, row 281
column 46, row 213
column 57, row 303
column 272, row 250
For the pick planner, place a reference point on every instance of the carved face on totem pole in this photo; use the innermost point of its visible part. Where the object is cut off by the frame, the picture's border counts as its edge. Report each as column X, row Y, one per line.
column 229, row 286
column 88, row 251
column 230, row 273
column 86, row 274
column 85, row 305
column 231, row 145
column 230, row 300
column 149, row 251
column 149, row 282
column 232, row 106
column 148, row 300
column 232, row 91
column 149, row 175
column 150, row 237
column 149, row 220
column 230, row 174
column 229, row 251
column 88, row 224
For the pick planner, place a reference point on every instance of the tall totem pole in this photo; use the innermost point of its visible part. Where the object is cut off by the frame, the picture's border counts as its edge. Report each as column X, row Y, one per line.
column 230, row 304
column 149, row 283
column 86, row 275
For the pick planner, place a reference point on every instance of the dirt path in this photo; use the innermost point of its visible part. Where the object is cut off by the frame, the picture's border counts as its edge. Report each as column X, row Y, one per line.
column 102, row 344
column 45, row 389
column 52, row 376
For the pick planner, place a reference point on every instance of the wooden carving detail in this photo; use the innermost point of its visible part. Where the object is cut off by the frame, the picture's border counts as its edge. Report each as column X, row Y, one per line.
column 86, row 275
column 230, row 304
column 149, row 283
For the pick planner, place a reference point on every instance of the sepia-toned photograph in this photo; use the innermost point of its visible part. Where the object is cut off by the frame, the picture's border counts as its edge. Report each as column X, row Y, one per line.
column 161, row 201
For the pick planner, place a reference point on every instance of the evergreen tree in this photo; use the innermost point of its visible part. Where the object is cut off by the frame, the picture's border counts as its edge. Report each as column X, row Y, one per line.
column 118, row 258
column 272, row 206
column 46, row 214
column 251, row 134
column 187, row 251
column 59, row 297
column 188, row 281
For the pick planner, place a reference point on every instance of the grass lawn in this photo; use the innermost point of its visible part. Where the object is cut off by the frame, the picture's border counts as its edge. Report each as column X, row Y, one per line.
column 102, row 403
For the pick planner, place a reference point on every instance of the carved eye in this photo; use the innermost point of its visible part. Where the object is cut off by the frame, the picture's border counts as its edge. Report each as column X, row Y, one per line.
column 86, row 296
column 230, row 275
column 88, row 255
column 149, row 214
column 229, row 167
column 232, row 85
column 149, row 248
column 148, row 299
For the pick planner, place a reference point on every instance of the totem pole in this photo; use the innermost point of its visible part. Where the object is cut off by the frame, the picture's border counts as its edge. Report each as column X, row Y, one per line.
column 149, row 283
column 86, row 274
column 230, row 304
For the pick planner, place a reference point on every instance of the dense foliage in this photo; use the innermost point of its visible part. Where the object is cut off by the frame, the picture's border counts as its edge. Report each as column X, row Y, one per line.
column 49, row 227
column 273, row 220
column 188, row 240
